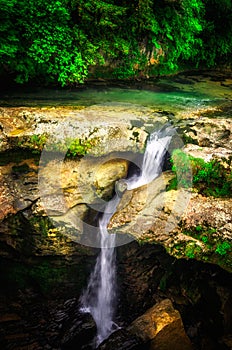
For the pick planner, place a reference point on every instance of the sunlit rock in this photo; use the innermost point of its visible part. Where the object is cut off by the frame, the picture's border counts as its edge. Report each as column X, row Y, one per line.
column 161, row 326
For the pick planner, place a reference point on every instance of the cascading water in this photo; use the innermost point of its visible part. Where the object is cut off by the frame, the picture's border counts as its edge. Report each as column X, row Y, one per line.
column 100, row 296
column 153, row 158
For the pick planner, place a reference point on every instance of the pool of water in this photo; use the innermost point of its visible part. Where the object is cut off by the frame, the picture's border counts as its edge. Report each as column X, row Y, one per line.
column 166, row 94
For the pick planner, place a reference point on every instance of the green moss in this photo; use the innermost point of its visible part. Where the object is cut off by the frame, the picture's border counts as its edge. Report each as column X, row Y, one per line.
column 204, row 239
column 44, row 275
column 40, row 224
column 215, row 249
column 164, row 280
column 223, row 248
column 38, row 142
column 78, row 147
column 47, row 276
column 72, row 147
column 181, row 166
column 211, row 178
column 206, row 246
column 192, row 250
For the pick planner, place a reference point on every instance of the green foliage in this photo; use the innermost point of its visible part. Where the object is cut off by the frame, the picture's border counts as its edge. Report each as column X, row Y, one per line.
column 181, row 166
column 215, row 249
column 44, row 275
column 223, row 248
column 211, row 178
column 192, row 250
column 60, row 41
column 39, row 41
column 41, row 225
column 217, row 33
column 204, row 239
column 47, row 276
column 78, row 147
column 37, row 142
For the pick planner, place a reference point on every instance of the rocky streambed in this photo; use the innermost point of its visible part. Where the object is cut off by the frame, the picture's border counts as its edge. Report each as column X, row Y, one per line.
column 58, row 168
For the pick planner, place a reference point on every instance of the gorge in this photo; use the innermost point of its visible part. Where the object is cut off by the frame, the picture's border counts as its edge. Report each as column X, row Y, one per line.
column 46, row 260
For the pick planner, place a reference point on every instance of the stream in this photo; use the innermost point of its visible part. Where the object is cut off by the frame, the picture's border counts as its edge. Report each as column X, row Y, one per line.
column 175, row 94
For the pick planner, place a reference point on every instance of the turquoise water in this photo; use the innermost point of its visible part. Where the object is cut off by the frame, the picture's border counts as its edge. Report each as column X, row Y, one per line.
column 163, row 95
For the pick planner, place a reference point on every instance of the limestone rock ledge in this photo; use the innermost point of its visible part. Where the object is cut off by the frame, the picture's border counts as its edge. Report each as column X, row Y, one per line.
column 187, row 224
column 114, row 128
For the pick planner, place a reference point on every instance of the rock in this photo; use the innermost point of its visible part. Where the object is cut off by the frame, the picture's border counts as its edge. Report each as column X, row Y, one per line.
column 122, row 340
column 120, row 127
column 207, row 153
column 6, row 199
column 63, row 185
column 64, row 194
column 162, row 327
column 9, row 318
column 208, row 132
column 79, row 332
column 152, row 214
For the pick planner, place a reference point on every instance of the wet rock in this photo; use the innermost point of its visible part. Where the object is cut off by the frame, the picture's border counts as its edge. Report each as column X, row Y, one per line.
column 162, row 327
column 79, row 332
column 70, row 183
column 122, row 340
column 199, row 291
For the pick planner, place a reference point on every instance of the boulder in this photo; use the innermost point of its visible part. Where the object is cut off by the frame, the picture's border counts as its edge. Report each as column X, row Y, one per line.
column 122, row 339
column 79, row 332
column 161, row 326
column 187, row 224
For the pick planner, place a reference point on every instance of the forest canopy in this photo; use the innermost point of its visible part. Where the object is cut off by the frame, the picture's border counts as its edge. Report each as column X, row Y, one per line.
column 63, row 42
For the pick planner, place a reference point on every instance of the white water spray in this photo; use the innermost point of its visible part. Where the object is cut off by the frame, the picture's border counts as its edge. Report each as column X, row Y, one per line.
column 100, row 296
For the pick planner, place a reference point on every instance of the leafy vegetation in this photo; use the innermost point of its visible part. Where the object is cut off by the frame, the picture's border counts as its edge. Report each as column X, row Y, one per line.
column 61, row 41
column 78, row 147
column 223, row 248
column 73, row 147
column 211, row 178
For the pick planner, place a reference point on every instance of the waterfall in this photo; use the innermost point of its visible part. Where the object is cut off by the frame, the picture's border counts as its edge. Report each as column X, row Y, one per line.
column 99, row 297
column 153, row 158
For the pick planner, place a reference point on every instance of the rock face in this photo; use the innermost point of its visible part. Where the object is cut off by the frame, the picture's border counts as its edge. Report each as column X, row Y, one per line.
column 71, row 192
column 148, row 275
column 44, row 204
column 178, row 220
column 116, row 128
column 122, row 340
column 208, row 132
column 161, row 327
